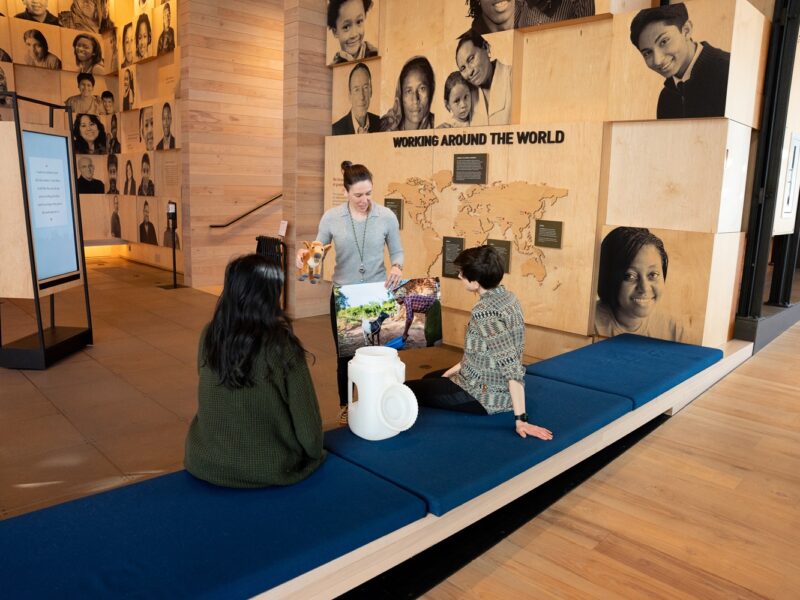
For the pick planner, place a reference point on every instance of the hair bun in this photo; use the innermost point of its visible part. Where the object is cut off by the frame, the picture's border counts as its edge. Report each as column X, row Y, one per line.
column 346, row 164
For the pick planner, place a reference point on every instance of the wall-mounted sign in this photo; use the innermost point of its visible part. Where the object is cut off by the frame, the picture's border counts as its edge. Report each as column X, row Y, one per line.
column 469, row 168
column 548, row 234
column 451, row 247
column 396, row 206
column 503, row 248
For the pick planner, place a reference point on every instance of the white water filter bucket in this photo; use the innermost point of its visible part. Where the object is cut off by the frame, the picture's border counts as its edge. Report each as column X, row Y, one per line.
column 385, row 406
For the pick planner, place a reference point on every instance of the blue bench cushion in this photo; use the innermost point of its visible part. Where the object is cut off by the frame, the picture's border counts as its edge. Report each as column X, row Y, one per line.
column 448, row 458
column 633, row 366
column 177, row 537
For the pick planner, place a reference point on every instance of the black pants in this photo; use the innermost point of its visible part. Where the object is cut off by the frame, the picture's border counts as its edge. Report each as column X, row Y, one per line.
column 341, row 362
column 436, row 391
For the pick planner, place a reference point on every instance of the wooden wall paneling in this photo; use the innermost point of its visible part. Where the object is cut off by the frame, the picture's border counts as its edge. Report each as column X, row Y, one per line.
column 306, row 122
column 127, row 218
column 5, row 35
column 722, row 288
column 231, row 71
column 674, row 174
column 15, row 276
column 556, row 284
column 566, row 72
column 96, row 217
column 620, row 6
column 169, row 71
column 750, row 41
column 634, row 88
column 41, row 84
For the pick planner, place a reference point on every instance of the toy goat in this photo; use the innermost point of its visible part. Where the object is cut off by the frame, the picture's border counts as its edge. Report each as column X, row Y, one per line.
column 372, row 329
column 312, row 262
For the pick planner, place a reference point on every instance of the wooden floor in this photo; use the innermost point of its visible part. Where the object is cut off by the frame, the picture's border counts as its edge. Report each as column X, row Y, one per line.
column 706, row 506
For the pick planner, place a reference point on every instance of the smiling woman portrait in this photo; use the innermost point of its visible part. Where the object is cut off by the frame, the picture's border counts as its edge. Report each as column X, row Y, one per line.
column 630, row 285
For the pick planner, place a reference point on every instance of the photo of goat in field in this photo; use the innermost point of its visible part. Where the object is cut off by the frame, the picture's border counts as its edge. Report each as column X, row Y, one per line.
column 367, row 314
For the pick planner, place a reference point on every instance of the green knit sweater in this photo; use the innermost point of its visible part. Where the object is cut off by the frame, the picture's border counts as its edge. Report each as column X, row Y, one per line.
column 268, row 434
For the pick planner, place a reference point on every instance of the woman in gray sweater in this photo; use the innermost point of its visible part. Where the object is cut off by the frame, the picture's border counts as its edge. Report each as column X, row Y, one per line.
column 359, row 230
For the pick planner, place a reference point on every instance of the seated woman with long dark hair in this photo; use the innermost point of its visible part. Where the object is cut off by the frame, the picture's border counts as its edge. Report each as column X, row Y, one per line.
column 257, row 422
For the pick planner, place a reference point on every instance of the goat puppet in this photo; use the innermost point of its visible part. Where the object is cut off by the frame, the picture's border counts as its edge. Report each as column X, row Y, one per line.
column 312, row 261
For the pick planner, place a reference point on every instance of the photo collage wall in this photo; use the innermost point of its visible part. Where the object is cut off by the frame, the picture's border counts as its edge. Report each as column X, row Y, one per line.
column 115, row 64
column 416, row 69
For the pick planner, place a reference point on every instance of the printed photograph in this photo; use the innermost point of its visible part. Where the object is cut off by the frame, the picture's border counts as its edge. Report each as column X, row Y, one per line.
column 83, row 52
column 407, row 317
column 359, row 93
column 352, row 30
column 5, row 40
column 36, row 45
column 165, row 17
column 539, row 12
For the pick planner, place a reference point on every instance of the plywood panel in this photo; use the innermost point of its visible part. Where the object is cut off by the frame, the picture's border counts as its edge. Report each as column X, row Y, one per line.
column 556, row 86
column 722, row 288
column 685, row 175
column 748, row 64
column 15, row 276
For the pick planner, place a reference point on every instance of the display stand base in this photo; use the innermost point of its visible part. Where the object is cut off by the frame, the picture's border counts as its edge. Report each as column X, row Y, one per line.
column 59, row 342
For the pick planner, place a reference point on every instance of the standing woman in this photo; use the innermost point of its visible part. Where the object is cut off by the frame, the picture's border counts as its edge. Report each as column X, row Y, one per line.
column 128, row 91
column 130, row 182
column 359, row 230
column 257, row 421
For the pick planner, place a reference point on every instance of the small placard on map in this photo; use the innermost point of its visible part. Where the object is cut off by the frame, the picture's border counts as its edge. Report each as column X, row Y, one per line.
column 503, row 248
column 469, row 168
column 451, row 247
column 396, row 206
column 548, row 234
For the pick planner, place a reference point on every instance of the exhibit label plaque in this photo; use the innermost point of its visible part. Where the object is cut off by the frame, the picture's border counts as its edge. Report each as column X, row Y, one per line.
column 451, row 247
column 396, row 206
column 503, row 248
column 548, row 234
column 469, row 168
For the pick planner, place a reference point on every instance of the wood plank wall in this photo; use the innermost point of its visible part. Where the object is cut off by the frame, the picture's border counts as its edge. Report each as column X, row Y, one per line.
column 232, row 126
column 307, row 120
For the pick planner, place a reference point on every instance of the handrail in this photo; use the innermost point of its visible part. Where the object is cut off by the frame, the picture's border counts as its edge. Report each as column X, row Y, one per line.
column 252, row 210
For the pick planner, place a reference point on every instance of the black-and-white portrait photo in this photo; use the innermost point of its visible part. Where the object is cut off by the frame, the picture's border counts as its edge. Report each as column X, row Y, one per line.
column 489, row 16
column 86, row 182
column 144, row 37
column 490, row 77
column 539, row 12
column 38, row 10
column 128, row 89
column 89, row 135
column 129, row 189
column 5, row 101
column 146, row 186
column 38, row 51
column 113, row 145
column 4, row 56
column 166, row 40
column 695, row 72
column 347, row 21
column 358, row 119
column 93, row 16
column 85, row 101
column 112, row 165
column 107, row 102
column 88, row 53
column 147, row 231
column 116, row 224
column 167, row 141
column 146, row 124
column 630, row 286
column 459, row 98
column 128, row 46
column 413, row 96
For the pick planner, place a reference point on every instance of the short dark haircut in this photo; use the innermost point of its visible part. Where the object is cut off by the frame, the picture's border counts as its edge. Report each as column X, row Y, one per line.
column 672, row 14
column 617, row 252
column 146, row 159
column 423, row 65
column 85, row 77
column 107, row 94
column 472, row 36
column 333, row 10
column 166, row 107
column 353, row 174
column 358, row 67
column 482, row 264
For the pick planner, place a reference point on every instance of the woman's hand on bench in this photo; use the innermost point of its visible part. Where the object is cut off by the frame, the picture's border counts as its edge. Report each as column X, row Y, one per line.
column 525, row 429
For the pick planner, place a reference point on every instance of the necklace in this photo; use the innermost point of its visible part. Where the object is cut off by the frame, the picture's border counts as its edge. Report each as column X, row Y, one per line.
column 361, row 269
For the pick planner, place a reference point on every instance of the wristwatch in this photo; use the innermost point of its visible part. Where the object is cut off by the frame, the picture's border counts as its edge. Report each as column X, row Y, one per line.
column 398, row 265
column 523, row 417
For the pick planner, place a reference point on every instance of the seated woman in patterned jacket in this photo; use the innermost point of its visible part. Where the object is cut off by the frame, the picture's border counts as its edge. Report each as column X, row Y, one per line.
column 489, row 379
